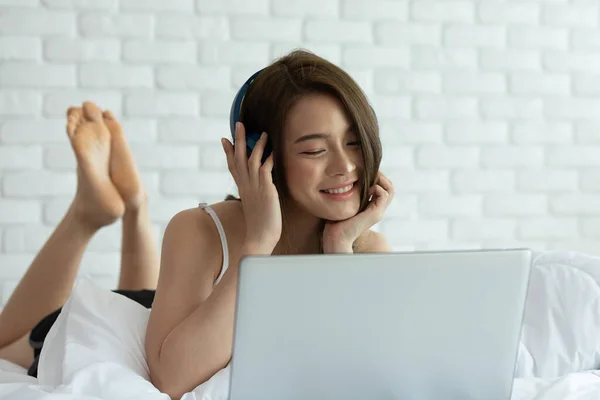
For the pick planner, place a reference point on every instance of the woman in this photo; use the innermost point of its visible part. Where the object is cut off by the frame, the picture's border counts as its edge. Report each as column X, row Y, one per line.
column 324, row 167
column 325, row 141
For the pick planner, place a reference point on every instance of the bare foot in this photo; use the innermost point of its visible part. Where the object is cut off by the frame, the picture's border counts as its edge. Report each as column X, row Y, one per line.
column 97, row 200
column 123, row 170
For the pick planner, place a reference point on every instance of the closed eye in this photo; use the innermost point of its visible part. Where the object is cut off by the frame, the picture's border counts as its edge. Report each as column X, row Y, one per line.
column 313, row 153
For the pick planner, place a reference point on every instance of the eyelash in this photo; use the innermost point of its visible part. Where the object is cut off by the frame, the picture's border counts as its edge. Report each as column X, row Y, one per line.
column 314, row 153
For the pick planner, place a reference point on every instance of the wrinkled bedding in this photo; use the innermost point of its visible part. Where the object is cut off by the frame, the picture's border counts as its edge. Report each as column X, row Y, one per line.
column 95, row 349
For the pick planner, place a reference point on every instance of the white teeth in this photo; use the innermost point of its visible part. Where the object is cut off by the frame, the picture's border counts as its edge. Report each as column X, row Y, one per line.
column 339, row 191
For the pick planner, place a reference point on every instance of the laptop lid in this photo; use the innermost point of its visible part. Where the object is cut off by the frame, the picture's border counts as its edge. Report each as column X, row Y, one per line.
column 421, row 325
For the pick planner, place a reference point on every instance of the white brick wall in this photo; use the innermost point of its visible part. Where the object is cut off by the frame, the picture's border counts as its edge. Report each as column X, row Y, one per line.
column 488, row 109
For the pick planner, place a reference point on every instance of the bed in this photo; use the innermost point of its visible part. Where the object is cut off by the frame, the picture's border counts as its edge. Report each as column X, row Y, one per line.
column 95, row 349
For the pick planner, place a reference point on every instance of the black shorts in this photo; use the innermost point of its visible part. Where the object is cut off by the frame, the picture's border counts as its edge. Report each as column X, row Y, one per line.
column 39, row 332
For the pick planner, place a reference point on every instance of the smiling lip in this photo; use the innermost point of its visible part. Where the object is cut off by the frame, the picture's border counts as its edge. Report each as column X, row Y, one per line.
column 341, row 186
column 342, row 196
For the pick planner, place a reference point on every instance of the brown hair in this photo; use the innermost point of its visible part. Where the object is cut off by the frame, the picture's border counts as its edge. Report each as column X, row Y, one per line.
column 278, row 88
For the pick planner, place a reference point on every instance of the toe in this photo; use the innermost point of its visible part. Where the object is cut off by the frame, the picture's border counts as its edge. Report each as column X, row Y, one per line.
column 73, row 119
column 108, row 115
column 92, row 112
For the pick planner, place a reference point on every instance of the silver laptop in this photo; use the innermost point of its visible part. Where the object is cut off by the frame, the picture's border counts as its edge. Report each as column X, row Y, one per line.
column 419, row 326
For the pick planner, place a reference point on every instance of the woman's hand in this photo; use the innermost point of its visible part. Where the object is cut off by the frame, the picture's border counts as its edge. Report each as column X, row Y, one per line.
column 338, row 237
column 259, row 196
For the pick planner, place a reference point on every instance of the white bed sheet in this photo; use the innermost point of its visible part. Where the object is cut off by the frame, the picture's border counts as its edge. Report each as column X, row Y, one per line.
column 559, row 357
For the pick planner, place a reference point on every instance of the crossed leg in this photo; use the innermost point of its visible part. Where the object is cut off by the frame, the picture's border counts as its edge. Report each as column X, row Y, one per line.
column 108, row 188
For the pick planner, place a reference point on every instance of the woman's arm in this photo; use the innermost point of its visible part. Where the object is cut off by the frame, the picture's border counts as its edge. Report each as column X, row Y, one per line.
column 190, row 331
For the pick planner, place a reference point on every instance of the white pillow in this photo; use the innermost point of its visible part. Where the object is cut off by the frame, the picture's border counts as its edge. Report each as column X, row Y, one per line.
column 96, row 346
column 561, row 327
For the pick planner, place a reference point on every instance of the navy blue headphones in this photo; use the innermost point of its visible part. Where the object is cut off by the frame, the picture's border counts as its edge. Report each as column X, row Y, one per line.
column 234, row 117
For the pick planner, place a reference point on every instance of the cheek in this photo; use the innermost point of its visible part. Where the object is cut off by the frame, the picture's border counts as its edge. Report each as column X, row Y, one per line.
column 302, row 176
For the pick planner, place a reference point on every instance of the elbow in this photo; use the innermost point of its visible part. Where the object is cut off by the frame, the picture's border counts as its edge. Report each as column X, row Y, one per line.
column 164, row 379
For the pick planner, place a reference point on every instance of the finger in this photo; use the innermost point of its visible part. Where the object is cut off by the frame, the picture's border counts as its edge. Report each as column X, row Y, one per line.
column 386, row 184
column 380, row 198
column 240, row 156
column 266, row 170
column 228, row 149
column 256, row 158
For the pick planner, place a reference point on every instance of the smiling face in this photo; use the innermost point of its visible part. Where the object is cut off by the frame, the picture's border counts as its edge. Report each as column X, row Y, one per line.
column 322, row 158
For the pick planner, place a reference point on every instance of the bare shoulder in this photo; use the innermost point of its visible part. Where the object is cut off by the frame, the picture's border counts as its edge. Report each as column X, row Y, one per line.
column 372, row 242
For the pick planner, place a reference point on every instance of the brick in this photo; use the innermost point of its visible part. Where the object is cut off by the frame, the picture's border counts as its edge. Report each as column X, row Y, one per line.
column 38, row 183
column 509, row 13
column 306, row 8
column 585, row 38
column 20, row 102
column 330, row 52
column 216, row 103
column 266, row 29
column 455, row 82
column 59, row 158
column 589, row 180
column 16, row 265
column 586, row 84
column 402, row 206
column 399, row 231
column 538, row 38
column 534, row 83
column 446, row 11
column 474, row 35
column 449, row 205
column 374, row 57
column 104, row 263
column 413, row 33
column 436, row 58
column 500, row 60
column 573, row 156
column 193, row 130
column 157, row 5
column 213, row 157
column 445, row 108
column 570, row 15
column 20, row 49
column 482, row 229
column 413, row 181
column 512, row 156
column 447, row 157
column 362, row 77
column 163, row 156
column 483, row 181
column 511, row 108
column 20, row 3
column 163, row 209
column 192, row 77
column 397, row 157
column 335, row 31
column 558, row 108
column 233, row 54
column 475, row 132
column 57, row 102
column 113, row 76
column 19, row 211
column 411, row 132
column 227, row 7
column 82, row 4
column 159, row 51
column 23, row 22
column 516, row 205
column 395, row 81
column 548, row 228
column 191, row 27
column 33, row 131
column 76, row 50
column 161, row 104
column 546, row 180
column 590, row 229
column 197, row 183
column 375, row 10
column 20, row 157
column 575, row 204
column 587, row 132
column 559, row 61
column 115, row 25
column 139, row 130
column 18, row 74
column 55, row 209
column 391, row 107
column 524, row 133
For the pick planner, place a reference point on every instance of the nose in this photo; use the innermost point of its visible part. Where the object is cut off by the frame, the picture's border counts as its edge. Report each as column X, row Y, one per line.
column 341, row 163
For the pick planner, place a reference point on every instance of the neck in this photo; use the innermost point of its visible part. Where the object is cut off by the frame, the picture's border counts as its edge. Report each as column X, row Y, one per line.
column 300, row 233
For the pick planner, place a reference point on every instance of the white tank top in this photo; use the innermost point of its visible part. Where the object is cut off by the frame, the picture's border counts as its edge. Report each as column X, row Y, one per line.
column 221, row 230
